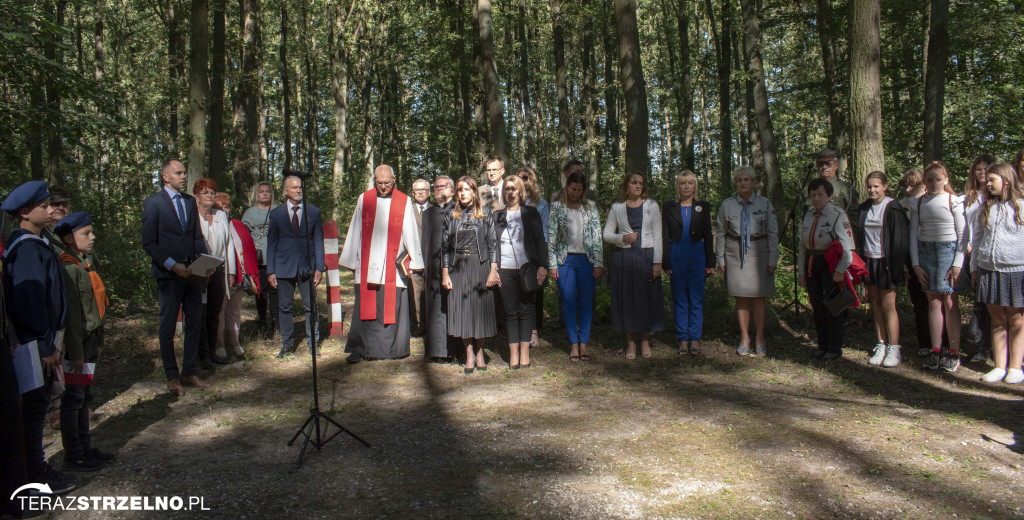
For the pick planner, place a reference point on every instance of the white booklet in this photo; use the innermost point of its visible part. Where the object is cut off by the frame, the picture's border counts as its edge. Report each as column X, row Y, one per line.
column 204, row 263
column 28, row 367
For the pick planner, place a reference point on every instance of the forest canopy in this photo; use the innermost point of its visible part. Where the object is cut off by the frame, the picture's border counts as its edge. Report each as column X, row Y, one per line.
column 96, row 94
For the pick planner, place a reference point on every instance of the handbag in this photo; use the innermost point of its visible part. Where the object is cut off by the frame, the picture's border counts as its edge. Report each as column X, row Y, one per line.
column 249, row 286
column 528, row 272
column 838, row 298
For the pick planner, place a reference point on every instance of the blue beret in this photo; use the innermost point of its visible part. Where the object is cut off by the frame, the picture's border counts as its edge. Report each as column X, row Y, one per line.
column 72, row 223
column 25, row 195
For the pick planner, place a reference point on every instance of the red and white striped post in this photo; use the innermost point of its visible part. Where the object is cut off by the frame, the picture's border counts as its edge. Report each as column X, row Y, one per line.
column 333, row 276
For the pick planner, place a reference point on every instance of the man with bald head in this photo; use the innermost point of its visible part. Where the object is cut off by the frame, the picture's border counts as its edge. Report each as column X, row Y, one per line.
column 382, row 234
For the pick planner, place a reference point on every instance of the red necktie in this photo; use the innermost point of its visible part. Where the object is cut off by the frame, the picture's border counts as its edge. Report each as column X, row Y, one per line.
column 295, row 219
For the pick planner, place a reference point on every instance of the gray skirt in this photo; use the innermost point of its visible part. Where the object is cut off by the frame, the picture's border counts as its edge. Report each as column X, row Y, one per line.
column 753, row 280
column 470, row 302
column 1002, row 289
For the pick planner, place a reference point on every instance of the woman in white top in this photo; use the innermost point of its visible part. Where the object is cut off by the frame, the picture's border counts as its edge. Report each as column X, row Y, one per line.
column 634, row 228
column 997, row 270
column 975, row 193
column 520, row 237
column 747, row 247
column 936, row 226
column 883, row 242
column 214, row 224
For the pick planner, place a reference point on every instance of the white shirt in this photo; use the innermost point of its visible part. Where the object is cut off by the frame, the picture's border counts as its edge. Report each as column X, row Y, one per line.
column 513, row 254
column 575, row 230
column 291, row 211
column 873, row 229
column 938, row 218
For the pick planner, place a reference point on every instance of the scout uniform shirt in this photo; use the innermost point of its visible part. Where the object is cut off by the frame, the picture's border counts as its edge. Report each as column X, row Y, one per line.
column 818, row 231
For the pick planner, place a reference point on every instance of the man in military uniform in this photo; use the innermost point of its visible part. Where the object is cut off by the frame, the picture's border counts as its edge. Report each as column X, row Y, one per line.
column 844, row 194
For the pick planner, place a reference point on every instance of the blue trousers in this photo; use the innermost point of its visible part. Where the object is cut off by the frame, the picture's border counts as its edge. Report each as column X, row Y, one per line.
column 688, row 288
column 576, row 285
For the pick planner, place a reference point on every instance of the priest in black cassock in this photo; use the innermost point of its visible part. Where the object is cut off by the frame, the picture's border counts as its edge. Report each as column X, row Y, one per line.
column 436, row 340
column 383, row 230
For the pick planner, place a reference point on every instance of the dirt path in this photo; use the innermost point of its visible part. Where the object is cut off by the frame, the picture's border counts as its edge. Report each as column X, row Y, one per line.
column 717, row 436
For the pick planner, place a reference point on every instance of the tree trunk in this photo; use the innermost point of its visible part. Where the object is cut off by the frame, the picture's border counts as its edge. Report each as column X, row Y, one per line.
column 558, row 43
column 838, row 138
column 765, row 129
column 175, row 69
column 53, row 99
column 99, row 55
column 248, row 113
column 218, row 159
column 685, row 85
column 590, row 99
column 200, row 86
column 338, row 44
column 634, row 88
column 492, row 89
column 286, row 104
column 935, row 80
column 865, row 106
column 725, row 186
column 610, row 98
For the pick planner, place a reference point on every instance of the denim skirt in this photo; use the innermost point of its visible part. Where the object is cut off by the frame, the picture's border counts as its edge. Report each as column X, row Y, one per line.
column 936, row 258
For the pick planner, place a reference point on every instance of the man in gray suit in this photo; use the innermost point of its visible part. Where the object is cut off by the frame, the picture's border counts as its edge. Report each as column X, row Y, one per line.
column 421, row 201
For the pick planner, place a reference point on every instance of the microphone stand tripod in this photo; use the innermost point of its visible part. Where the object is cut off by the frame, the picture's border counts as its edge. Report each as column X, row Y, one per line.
column 313, row 422
column 795, row 241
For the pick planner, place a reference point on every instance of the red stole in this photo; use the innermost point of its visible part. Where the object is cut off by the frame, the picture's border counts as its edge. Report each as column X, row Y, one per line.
column 396, row 217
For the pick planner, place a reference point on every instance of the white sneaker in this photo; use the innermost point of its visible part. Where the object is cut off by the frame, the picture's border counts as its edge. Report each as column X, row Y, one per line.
column 221, row 353
column 877, row 355
column 239, row 351
column 996, row 374
column 892, row 356
column 1014, row 376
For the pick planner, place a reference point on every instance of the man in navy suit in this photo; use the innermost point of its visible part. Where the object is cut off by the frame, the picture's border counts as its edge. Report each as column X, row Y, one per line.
column 172, row 237
column 288, row 260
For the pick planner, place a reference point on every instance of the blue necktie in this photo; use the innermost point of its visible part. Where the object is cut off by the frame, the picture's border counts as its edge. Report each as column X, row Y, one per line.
column 181, row 210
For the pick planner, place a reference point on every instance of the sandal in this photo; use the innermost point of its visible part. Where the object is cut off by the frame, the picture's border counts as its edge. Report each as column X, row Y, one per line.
column 743, row 350
column 695, row 351
column 574, row 358
column 683, row 349
column 645, row 352
column 760, row 351
column 633, row 354
column 534, row 340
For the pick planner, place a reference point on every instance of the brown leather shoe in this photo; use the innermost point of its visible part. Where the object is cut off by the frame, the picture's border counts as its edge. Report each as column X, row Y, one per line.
column 174, row 387
column 194, row 381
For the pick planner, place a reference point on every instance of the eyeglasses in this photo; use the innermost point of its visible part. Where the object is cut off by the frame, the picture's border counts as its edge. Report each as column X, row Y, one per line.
column 421, row 190
column 824, row 164
column 444, row 187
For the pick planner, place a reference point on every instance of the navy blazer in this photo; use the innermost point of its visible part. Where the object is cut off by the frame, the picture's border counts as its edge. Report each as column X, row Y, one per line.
column 286, row 249
column 700, row 229
column 162, row 236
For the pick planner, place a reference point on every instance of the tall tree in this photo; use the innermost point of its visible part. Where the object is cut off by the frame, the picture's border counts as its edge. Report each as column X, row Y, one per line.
column 935, row 79
column 338, row 48
column 865, row 90
column 199, row 79
column 561, row 87
column 218, row 159
column 248, row 113
column 634, row 88
column 838, row 137
column 611, row 98
column 755, row 72
column 99, row 68
column 492, row 89
column 286, row 104
column 723, row 51
column 685, row 88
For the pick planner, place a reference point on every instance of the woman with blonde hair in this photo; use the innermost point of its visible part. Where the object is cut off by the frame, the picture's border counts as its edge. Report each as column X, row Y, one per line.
column 747, row 247
column 689, row 256
column 534, row 198
column 469, row 270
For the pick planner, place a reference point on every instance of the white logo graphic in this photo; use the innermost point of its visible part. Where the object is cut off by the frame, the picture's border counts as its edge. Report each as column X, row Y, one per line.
column 42, row 488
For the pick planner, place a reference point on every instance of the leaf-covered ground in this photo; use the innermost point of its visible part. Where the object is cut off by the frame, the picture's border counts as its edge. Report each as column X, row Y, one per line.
column 714, row 436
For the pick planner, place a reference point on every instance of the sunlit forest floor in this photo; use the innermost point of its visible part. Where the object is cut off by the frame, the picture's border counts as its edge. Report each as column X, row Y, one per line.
column 711, row 436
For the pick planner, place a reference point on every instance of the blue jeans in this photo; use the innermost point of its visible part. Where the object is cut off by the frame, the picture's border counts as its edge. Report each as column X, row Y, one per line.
column 576, row 285
column 688, row 288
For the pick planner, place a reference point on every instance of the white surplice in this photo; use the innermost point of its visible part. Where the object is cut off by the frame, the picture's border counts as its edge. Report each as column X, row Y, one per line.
column 351, row 253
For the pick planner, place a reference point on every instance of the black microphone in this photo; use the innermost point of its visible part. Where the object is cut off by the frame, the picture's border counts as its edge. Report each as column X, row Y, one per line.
column 296, row 173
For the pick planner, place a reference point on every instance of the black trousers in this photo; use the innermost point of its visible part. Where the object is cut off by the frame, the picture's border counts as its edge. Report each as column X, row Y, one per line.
column 519, row 306
column 34, row 404
column 830, row 328
column 187, row 295
column 74, row 420
column 216, row 288
column 286, row 298
column 12, row 435
column 267, row 300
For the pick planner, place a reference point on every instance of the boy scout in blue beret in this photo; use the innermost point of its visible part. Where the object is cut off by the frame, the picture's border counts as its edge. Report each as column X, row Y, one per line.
column 34, row 297
column 83, row 338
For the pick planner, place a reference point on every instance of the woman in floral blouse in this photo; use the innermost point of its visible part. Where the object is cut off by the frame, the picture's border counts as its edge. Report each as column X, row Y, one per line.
column 575, row 259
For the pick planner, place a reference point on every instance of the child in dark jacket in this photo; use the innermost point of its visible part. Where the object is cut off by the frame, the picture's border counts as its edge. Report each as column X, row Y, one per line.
column 83, row 339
